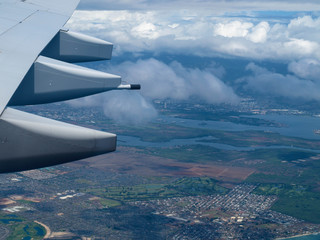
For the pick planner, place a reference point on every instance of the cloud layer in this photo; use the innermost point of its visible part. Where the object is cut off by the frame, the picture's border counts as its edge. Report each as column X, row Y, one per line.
column 198, row 31
column 187, row 32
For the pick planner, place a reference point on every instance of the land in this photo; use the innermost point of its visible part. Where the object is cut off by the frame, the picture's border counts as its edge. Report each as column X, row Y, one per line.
column 258, row 185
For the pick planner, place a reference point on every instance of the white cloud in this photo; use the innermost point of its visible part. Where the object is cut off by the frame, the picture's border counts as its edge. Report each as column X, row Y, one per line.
column 306, row 28
column 159, row 81
column 289, row 86
column 301, row 47
column 180, row 32
column 232, row 29
column 306, row 69
column 305, row 21
column 162, row 81
column 197, row 31
column 259, row 33
column 128, row 107
column 145, row 30
column 122, row 106
column 90, row 101
column 174, row 25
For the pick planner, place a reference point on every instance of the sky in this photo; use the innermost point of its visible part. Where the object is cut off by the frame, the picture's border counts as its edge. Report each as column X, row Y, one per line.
column 190, row 50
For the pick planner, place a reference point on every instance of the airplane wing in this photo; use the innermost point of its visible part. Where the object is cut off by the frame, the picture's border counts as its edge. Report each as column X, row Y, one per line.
column 36, row 57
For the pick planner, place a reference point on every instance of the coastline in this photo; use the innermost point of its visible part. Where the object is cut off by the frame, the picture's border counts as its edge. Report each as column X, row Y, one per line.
column 299, row 235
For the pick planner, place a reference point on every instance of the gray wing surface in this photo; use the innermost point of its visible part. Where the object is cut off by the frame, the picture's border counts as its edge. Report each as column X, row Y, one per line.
column 26, row 28
column 36, row 67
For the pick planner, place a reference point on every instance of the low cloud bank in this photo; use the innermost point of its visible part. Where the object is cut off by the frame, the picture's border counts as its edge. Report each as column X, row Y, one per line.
column 122, row 106
column 301, row 83
column 173, row 81
column 128, row 107
column 159, row 81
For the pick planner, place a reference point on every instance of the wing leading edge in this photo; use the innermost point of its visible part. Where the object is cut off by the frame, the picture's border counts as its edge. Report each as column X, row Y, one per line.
column 36, row 59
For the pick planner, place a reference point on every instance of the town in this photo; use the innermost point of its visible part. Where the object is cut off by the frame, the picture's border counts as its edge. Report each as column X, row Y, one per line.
column 237, row 214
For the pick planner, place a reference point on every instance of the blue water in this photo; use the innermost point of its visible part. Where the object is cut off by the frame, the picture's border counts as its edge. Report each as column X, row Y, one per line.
column 7, row 221
column 40, row 231
column 293, row 126
column 137, row 142
column 309, row 237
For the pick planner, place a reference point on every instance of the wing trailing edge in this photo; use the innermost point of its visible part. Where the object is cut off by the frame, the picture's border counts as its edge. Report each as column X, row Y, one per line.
column 26, row 29
column 40, row 70
column 28, row 141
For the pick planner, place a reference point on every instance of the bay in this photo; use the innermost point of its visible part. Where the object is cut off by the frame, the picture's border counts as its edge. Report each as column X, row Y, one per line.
column 293, row 125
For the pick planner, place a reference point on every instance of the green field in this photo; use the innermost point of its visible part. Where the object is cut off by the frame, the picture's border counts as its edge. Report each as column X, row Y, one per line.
column 283, row 159
column 215, row 114
column 109, row 203
column 22, row 229
column 294, row 200
column 113, row 196
column 160, row 132
column 194, row 153
column 290, row 174
column 289, row 167
column 260, row 138
column 275, row 167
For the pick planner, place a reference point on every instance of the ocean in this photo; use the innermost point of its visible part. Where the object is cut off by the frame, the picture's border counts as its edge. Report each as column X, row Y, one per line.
column 309, row 237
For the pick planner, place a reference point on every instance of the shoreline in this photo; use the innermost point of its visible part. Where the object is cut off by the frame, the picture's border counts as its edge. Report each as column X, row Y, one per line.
column 299, row 235
column 48, row 231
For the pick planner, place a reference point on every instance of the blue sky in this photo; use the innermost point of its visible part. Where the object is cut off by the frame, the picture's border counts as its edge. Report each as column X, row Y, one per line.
column 212, row 5
column 283, row 32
